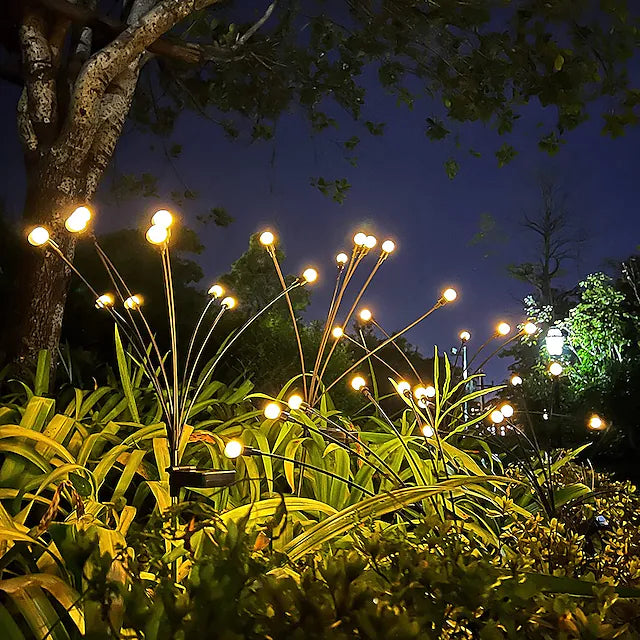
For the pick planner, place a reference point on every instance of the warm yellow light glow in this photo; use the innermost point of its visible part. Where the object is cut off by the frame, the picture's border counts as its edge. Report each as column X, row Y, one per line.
column 430, row 391
column 507, row 410
column 78, row 220
column 403, row 387
column 465, row 336
column 310, row 275
column 503, row 329
column 216, row 290
column 337, row 332
column 272, row 411
column 555, row 369
column 157, row 234
column 229, row 302
column 496, row 417
column 342, row 258
column 516, row 380
column 365, row 315
column 427, row 431
column 419, row 393
column 449, row 294
column 358, row 383
column 162, row 218
column 233, row 449
column 105, row 300
column 295, row 401
column 388, row 246
column 370, row 242
column 38, row 236
column 133, row 302
column 596, row 423
column 530, row 328
column 360, row 239
column 267, row 238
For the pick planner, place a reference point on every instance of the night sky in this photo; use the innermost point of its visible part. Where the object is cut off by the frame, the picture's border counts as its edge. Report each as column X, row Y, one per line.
column 399, row 190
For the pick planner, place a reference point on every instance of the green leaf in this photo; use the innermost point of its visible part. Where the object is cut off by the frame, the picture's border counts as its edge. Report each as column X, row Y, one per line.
column 452, row 168
column 125, row 379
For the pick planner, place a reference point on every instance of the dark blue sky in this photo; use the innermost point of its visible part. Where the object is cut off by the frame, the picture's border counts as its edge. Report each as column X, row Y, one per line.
column 399, row 190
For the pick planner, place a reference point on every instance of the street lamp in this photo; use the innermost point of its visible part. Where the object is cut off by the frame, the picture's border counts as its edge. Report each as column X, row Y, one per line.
column 554, row 341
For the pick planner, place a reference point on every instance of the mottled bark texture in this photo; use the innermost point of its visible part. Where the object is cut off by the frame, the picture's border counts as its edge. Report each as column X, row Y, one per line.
column 70, row 116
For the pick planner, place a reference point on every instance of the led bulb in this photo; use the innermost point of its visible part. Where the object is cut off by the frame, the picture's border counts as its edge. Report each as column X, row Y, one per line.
column 555, row 369
column 105, row 300
column 133, row 302
column 430, row 391
column 370, row 242
column 403, row 387
column 82, row 212
column 360, row 239
column 530, row 328
column 507, row 410
column 516, row 380
column 337, row 332
column 427, row 431
column 216, row 291
column 365, row 315
column 229, row 302
column 76, row 222
column 233, row 449
column 596, row 423
column 295, row 401
column 465, row 336
column 388, row 246
column 310, row 275
column 272, row 411
column 38, row 236
column 503, row 329
column 449, row 294
column 496, row 417
column 157, row 234
column 267, row 238
column 342, row 259
column 162, row 218
column 420, row 393
column 358, row 383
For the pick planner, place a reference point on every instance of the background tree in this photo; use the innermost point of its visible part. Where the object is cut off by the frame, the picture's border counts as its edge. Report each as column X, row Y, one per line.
column 84, row 64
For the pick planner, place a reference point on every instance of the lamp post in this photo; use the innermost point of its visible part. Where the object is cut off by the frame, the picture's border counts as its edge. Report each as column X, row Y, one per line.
column 554, row 341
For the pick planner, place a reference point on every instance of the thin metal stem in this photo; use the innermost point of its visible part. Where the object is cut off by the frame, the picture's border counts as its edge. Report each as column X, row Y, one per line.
column 400, row 351
column 376, row 356
column 493, row 353
column 194, row 334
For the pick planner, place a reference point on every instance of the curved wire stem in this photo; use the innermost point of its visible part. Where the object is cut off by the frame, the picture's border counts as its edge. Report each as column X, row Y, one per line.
column 374, row 355
column 272, row 252
column 493, row 353
column 400, row 351
column 192, row 340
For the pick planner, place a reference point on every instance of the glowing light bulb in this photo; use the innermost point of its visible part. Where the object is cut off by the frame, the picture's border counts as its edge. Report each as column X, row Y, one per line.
column 310, row 275
column 496, row 416
column 105, row 300
column 267, row 238
column 427, row 431
column 465, row 336
column 503, row 329
column 530, row 328
column 358, row 383
column 555, row 369
column 295, row 401
column 157, row 234
column 370, row 242
column 162, row 218
column 360, row 239
column 449, row 294
column 78, row 220
column 133, row 302
column 365, row 315
column 516, row 380
column 507, row 410
column 596, row 423
column 342, row 259
column 337, row 332
column 233, row 449
column 272, row 411
column 38, row 236
column 229, row 302
column 430, row 391
column 420, row 393
column 388, row 246
column 216, row 291
column 403, row 387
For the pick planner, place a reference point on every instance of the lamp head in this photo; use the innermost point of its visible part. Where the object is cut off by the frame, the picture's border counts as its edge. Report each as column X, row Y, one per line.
column 596, row 423
column 403, row 387
column 309, row 275
column 360, row 239
column 365, row 315
column 503, row 329
column 233, row 449
column 427, row 431
column 162, row 218
column 530, row 328
column 38, row 236
column 216, row 291
column 465, row 336
column 507, row 410
column 133, row 302
column 267, row 238
column 496, row 416
column 388, row 246
column 516, row 380
column 105, row 300
column 370, row 242
column 342, row 259
column 295, row 401
column 78, row 220
column 337, row 332
column 157, row 234
column 555, row 369
column 229, row 302
column 358, row 383
column 272, row 411
column 449, row 294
